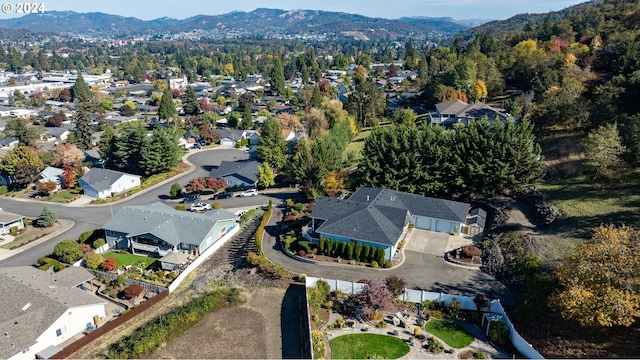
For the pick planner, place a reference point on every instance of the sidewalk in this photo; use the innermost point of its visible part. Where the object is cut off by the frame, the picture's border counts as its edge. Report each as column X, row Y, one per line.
column 65, row 225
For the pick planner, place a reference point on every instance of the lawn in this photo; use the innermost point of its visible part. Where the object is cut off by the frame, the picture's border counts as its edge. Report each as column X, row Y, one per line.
column 355, row 146
column 367, row 346
column 584, row 205
column 449, row 332
column 64, row 196
column 127, row 259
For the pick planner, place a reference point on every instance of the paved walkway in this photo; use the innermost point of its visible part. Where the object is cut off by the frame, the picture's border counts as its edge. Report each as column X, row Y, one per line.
column 417, row 351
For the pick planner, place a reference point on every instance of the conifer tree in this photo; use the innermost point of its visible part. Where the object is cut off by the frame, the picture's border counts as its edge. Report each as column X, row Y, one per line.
column 82, row 97
column 167, row 108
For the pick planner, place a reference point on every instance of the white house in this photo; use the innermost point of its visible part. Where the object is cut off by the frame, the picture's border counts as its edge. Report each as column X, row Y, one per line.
column 9, row 220
column 50, row 174
column 101, row 183
column 41, row 310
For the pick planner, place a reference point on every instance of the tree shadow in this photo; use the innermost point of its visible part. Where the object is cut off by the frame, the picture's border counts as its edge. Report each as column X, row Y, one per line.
column 294, row 324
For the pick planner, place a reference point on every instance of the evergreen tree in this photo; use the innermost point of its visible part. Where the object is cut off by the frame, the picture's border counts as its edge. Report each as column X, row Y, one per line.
column 81, row 91
column 161, row 152
column 190, row 102
column 358, row 252
column 19, row 128
column 321, row 245
column 271, row 145
column 247, row 119
column 265, row 176
column 380, row 256
column 365, row 253
column 130, row 146
column 175, row 191
column 316, row 97
column 167, row 108
column 47, row 217
column 329, row 248
column 106, row 145
column 233, row 119
column 82, row 97
column 277, row 76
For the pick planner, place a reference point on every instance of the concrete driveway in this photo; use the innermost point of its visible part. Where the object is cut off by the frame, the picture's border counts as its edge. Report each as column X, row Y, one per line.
column 427, row 242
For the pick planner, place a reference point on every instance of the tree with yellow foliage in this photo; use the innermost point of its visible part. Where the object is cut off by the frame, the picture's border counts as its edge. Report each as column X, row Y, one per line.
column 600, row 281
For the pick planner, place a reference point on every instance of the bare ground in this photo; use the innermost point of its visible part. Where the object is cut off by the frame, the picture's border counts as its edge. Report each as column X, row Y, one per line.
column 235, row 326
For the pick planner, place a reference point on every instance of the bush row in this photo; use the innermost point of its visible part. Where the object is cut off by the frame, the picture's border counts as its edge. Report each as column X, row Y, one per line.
column 172, row 325
column 260, row 230
column 351, row 250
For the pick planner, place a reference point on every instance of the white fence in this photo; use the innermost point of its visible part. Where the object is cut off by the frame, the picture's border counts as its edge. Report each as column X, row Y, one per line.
column 418, row 296
column 174, row 285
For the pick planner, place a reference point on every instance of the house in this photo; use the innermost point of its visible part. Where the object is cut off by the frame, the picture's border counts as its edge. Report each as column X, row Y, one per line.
column 9, row 220
column 191, row 137
column 230, row 137
column 49, row 174
column 9, row 142
column 453, row 112
column 380, row 217
column 58, row 134
column 475, row 222
column 101, row 183
column 158, row 229
column 238, row 174
column 41, row 310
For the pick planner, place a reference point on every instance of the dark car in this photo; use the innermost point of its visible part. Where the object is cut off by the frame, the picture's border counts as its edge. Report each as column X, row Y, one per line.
column 191, row 198
column 223, row 195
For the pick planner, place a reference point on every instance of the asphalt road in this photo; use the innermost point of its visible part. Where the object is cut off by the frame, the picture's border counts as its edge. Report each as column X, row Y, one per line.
column 91, row 217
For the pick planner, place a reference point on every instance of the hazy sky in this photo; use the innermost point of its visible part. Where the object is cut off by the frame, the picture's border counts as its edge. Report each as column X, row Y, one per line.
column 391, row 9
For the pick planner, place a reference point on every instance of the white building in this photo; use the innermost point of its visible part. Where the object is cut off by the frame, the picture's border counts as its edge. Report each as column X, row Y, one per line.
column 41, row 310
column 102, row 183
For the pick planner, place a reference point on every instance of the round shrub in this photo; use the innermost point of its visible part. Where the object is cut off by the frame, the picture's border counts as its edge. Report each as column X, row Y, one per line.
column 98, row 243
column 302, row 277
column 13, row 229
column 374, row 264
column 85, row 236
column 217, row 205
column 388, row 264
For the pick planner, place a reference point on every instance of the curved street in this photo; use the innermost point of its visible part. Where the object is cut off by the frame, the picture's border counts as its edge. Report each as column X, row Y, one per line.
column 421, row 270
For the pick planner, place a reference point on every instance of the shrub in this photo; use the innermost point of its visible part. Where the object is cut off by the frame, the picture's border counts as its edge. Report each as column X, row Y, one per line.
column 498, row 332
column 120, row 280
column 217, row 205
column 302, row 277
column 471, row 251
column 395, row 284
column 180, row 207
column 46, row 263
column 175, row 191
column 93, row 260
column 289, row 218
column 289, row 203
column 109, row 264
column 132, row 291
column 98, row 243
column 374, row 264
column 85, row 236
column 304, row 245
column 68, row 251
column 302, row 253
column 3, row 189
column 298, row 207
column 388, row 264
column 47, row 218
column 433, row 345
column 13, row 229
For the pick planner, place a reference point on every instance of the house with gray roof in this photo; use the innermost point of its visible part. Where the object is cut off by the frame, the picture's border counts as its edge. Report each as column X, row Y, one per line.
column 41, row 310
column 9, row 220
column 9, row 142
column 50, row 174
column 238, row 174
column 453, row 112
column 380, row 217
column 158, row 229
column 101, row 183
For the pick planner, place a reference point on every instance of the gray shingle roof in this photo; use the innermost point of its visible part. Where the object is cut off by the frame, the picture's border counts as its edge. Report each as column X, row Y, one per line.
column 476, row 110
column 244, row 169
column 49, row 296
column 235, row 135
column 166, row 223
column 379, row 215
column 8, row 217
column 7, row 141
column 102, row 179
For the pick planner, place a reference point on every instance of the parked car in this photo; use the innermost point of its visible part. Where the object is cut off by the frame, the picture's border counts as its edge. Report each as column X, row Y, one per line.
column 200, row 207
column 249, row 192
column 223, row 195
column 190, row 198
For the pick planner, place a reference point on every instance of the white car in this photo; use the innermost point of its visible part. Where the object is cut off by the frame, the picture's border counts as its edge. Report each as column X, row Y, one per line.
column 249, row 192
column 200, row 207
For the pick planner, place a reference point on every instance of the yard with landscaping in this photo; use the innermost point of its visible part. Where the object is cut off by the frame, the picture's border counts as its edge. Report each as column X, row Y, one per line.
column 450, row 333
column 124, row 259
column 367, row 346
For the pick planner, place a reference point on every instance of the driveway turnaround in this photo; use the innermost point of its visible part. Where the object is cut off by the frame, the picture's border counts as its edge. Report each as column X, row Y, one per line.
column 422, row 267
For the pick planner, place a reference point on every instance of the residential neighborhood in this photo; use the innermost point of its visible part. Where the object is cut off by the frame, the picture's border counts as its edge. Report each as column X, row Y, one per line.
column 387, row 184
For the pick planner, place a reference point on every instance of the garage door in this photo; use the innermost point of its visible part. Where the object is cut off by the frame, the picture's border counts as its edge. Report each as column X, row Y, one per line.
column 443, row 226
column 226, row 142
column 423, row 223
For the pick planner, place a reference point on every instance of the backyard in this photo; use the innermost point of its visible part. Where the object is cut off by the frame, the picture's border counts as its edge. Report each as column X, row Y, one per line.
column 367, row 346
column 123, row 260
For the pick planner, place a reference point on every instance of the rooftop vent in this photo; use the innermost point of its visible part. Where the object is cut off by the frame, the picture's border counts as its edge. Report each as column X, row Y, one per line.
column 28, row 305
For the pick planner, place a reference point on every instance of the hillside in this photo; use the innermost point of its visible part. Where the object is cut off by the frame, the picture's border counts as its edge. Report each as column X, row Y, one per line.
column 268, row 22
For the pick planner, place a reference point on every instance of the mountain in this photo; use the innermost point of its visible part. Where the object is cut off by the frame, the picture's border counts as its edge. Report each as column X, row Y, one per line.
column 267, row 22
column 518, row 22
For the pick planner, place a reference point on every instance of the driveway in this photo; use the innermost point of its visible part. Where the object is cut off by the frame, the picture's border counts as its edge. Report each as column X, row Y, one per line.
column 427, row 242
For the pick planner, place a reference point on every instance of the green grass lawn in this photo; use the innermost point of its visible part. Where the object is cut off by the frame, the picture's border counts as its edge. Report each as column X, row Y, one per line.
column 367, row 346
column 449, row 332
column 127, row 259
column 355, row 146
column 584, row 206
column 63, row 196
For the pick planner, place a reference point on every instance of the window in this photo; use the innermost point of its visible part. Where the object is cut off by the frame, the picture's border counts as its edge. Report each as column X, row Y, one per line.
column 59, row 332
